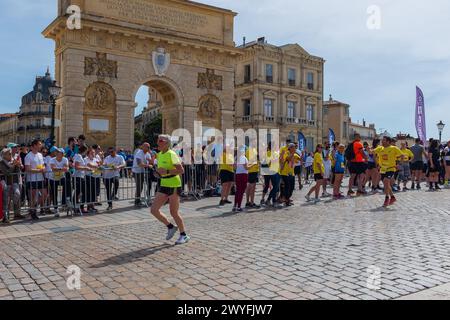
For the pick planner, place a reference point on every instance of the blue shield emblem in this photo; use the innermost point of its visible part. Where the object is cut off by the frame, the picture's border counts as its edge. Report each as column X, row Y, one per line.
column 161, row 61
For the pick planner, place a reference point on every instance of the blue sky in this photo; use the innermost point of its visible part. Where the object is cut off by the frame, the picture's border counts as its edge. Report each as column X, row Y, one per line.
column 375, row 71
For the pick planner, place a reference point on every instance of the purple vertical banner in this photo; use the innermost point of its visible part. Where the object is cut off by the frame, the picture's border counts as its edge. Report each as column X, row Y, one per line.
column 420, row 116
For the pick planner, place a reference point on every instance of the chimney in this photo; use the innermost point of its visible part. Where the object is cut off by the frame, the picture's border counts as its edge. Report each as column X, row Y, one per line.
column 261, row 40
column 331, row 98
column 244, row 42
column 364, row 123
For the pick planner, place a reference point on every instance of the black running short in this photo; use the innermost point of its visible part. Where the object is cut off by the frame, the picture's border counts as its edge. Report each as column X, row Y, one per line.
column 357, row 167
column 318, row 177
column 371, row 165
column 417, row 166
column 253, row 177
column 298, row 170
column 226, row 176
column 435, row 169
column 387, row 175
column 169, row 191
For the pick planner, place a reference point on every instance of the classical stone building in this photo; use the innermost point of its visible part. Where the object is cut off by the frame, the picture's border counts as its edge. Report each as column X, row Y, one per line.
column 405, row 138
column 35, row 109
column 338, row 116
column 280, row 88
column 150, row 112
column 367, row 131
column 182, row 49
column 8, row 128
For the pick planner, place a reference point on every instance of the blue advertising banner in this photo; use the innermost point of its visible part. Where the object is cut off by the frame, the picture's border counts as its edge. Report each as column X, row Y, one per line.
column 301, row 142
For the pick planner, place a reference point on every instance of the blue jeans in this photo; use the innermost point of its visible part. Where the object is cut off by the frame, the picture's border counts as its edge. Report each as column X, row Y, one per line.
column 275, row 180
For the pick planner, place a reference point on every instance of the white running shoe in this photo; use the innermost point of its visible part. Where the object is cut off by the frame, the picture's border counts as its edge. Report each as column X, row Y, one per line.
column 183, row 240
column 171, row 233
column 308, row 198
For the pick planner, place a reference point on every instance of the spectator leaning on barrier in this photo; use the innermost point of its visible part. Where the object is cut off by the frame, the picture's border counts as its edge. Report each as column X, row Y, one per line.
column 60, row 166
column 93, row 177
column 80, row 178
column 35, row 182
column 10, row 179
column 113, row 165
column 140, row 164
column 99, row 156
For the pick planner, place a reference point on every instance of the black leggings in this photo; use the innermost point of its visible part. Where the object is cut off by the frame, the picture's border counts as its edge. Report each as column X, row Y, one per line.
column 289, row 185
column 109, row 185
column 54, row 184
column 80, row 188
column 91, row 189
column 267, row 180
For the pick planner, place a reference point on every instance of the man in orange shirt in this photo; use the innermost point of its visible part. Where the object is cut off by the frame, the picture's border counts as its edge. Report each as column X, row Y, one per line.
column 357, row 166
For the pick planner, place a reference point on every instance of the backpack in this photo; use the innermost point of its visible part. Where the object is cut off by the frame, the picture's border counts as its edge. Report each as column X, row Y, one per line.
column 350, row 152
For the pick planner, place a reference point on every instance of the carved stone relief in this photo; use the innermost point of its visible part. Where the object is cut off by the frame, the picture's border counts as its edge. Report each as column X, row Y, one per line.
column 209, row 107
column 100, row 97
column 100, row 66
column 209, row 80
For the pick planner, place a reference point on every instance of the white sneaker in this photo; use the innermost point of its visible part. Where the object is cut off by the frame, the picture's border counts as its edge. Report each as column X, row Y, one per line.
column 56, row 213
column 171, row 233
column 183, row 240
column 308, row 198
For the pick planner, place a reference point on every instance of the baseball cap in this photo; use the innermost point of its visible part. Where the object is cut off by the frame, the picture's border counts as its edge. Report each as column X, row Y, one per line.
column 12, row 145
column 53, row 149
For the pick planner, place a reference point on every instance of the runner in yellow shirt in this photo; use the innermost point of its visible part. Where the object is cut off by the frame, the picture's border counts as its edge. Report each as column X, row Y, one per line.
column 405, row 169
column 226, row 174
column 287, row 173
column 169, row 169
column 319, row 171
column 388, row 158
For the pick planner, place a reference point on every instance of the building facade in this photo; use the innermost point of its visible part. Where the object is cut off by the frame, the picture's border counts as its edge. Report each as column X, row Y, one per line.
column 280, row 88
column 338, row 119
column 367, row 132
column 150, row 112
column 35, row 112
column 8, row 128
column 405, row 138
column 182, row 49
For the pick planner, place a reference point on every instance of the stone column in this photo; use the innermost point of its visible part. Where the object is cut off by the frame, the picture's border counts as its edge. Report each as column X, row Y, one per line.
column 71, row 117
column 125, row 124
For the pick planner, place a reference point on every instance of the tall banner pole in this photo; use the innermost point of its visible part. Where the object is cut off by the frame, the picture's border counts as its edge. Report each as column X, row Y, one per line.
column 420, row 116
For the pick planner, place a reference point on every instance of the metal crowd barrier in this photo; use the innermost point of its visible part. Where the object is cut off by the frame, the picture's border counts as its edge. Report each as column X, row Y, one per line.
column 72, row 194
column 75, row 194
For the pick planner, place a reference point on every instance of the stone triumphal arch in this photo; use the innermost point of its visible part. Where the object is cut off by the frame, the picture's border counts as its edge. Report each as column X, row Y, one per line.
column 182, row 49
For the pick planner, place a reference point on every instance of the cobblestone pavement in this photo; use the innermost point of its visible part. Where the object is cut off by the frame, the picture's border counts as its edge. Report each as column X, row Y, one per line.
column 332, row 250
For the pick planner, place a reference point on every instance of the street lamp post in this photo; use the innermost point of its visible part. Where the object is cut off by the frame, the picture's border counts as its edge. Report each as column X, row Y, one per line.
column 440, row 127
column 54, row 90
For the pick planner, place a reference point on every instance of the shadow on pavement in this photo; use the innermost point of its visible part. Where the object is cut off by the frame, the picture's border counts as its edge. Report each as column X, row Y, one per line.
column 129, row 257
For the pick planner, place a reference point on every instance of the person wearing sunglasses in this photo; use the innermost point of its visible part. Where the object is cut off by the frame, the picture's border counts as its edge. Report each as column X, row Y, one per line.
column 169, row 170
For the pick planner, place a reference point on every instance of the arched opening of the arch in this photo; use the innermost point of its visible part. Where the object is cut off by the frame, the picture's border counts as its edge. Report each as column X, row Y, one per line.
column 157, row 111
